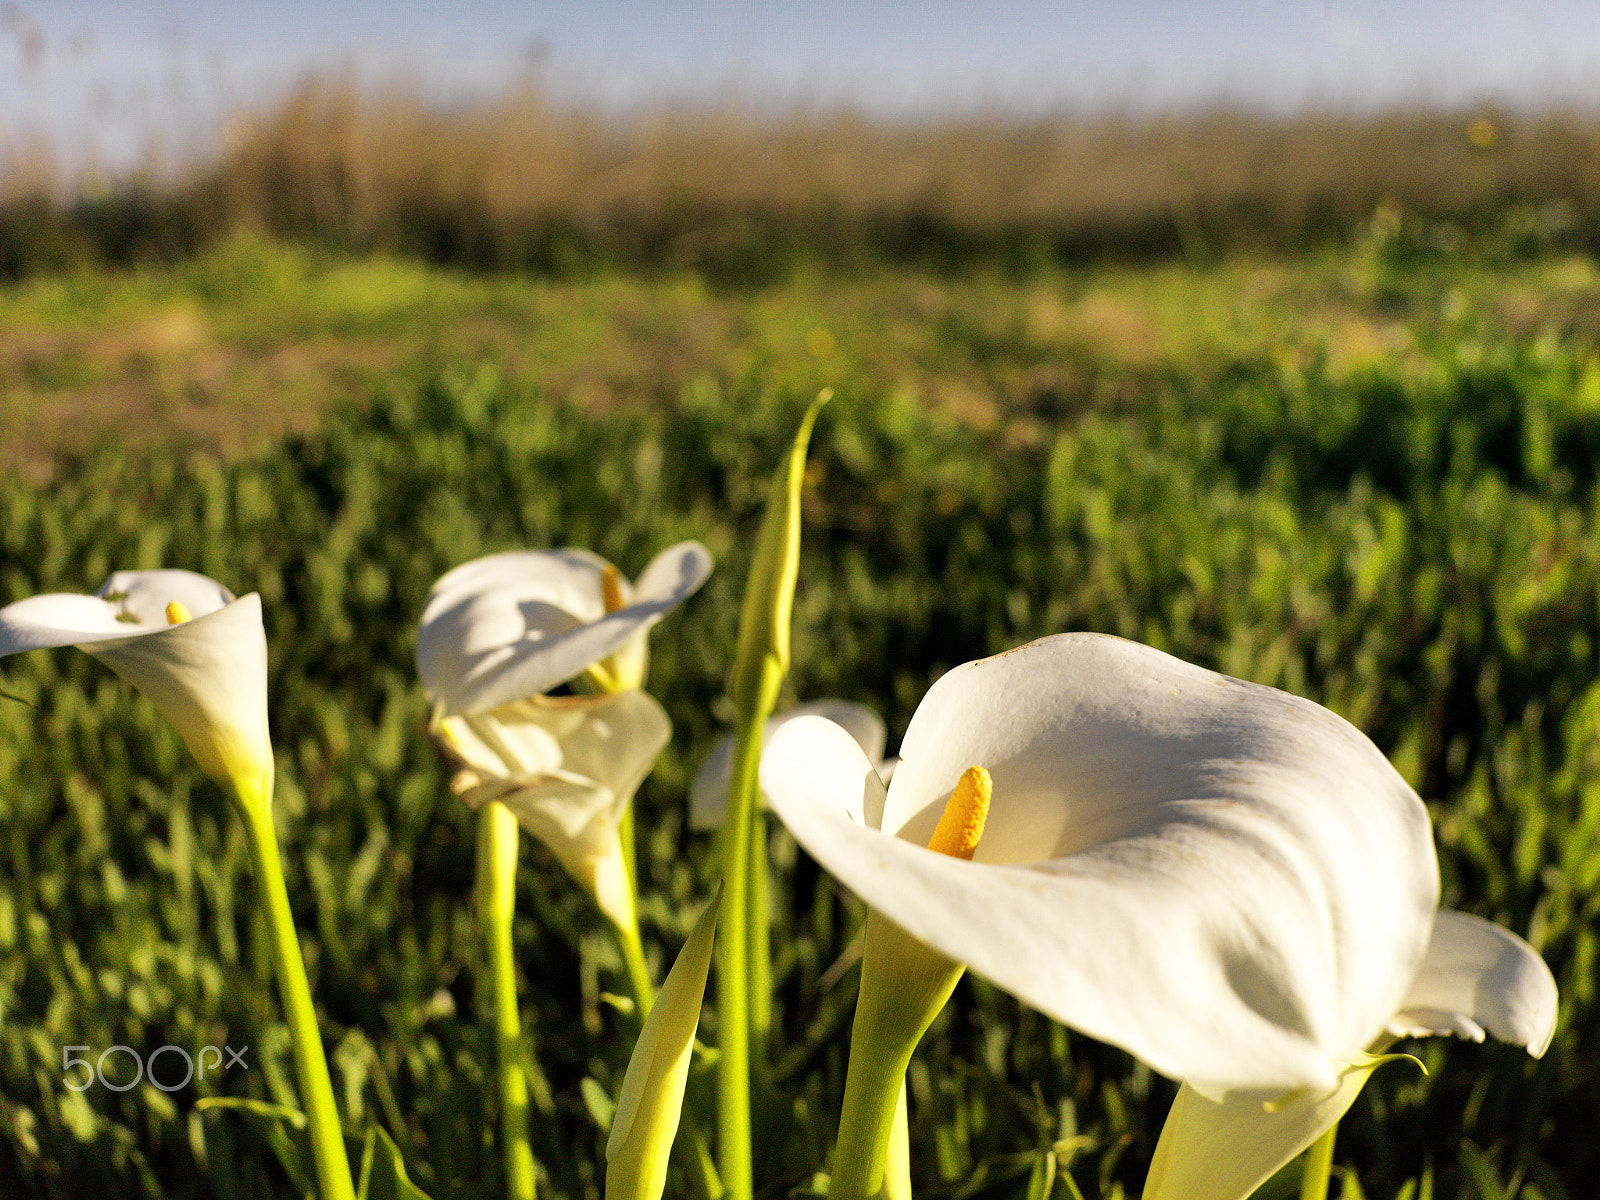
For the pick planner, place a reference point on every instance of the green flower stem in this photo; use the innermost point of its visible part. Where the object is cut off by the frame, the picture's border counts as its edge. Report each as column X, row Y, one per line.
column 629, row 940
column 1318, row 1166
column 626, row 839
column 758, row 931
column 904, row 984
column 632, row 947
column 254, row 800
column 761, row 659
column 733, row 967
column 897, row 1164
column 767, row 1106
column 497, row 902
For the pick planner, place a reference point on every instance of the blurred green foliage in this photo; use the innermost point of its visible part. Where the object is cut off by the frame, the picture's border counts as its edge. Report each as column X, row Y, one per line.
column 1417, row 550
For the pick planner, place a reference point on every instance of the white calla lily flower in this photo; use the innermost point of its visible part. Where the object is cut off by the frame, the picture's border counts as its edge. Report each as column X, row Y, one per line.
column 183, row 640
column 201, row 657
column 708, row 794
column 568, row 767
column 1228, row 881
column 512, row 625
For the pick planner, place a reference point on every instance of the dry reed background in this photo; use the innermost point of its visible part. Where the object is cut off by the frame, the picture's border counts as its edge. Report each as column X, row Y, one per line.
column 520, row 181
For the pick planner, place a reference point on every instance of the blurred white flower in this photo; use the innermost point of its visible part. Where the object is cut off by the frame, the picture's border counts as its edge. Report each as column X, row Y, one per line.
column 568, row 767
column 498, row 631
column 708, row 794
column 184, row 641
column 512, row 625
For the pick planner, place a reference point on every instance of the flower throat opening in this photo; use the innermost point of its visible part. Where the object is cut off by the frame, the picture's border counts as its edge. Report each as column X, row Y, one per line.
column 961, row 825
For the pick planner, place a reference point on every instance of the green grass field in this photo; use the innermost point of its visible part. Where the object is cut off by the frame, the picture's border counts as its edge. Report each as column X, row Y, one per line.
column 1365, row 477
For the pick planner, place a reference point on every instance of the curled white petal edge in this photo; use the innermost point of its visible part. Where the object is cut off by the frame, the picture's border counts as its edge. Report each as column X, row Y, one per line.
column 708, row 794
column 1478, row 976
column 530, row 665
column 128, row 604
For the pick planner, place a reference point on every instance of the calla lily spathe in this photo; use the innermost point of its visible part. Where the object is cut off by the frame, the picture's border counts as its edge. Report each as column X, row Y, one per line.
column 708, row 794
column 1475, row 977
column 183, row 640
column 1228, row 881
column 512, row 625
column 567, row 767
column 499, row 631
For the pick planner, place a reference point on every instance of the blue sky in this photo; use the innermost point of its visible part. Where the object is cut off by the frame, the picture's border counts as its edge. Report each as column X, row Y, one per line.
column 98, row 77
